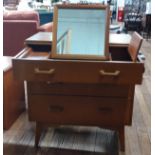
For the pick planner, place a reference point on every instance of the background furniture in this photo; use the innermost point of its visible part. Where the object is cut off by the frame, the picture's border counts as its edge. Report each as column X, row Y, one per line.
column 17, row 26
column 45, row 17
column 10, row 4
column 134, row 12
column 146, row 24
column 133, row 22
column 13, row 95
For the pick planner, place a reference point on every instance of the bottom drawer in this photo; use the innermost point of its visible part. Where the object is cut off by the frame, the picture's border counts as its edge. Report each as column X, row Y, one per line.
column 77, row 110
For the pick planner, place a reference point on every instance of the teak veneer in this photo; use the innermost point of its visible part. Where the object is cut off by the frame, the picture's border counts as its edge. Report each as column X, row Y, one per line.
column 76, row 92
column 80, row 91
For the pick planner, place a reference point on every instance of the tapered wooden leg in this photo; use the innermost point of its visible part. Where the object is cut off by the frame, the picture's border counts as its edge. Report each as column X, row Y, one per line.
column 122, row 138
column 37, row 133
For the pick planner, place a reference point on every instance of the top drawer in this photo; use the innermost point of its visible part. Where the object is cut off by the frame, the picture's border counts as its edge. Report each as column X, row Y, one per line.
column 78, row 71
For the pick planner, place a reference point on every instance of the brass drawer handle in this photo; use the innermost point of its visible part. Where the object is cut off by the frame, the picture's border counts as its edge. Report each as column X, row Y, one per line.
column 55, row 108
column 116, row 73
column 38, row 71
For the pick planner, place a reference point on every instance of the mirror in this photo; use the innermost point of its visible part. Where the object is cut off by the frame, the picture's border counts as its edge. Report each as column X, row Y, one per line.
column 80, row 32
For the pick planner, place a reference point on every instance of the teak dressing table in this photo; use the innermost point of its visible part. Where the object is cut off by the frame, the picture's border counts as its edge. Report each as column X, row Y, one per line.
column 68, row 88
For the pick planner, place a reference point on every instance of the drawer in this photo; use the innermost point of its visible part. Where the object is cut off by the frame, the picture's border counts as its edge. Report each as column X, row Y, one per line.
column 107, row 90
column 77, row 71
column 77, row 110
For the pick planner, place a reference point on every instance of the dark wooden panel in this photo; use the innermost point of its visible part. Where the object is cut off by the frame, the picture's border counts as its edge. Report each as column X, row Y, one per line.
column 13, row 98
column 78, row 71
column 77, row 110
column 119, row 54
column 78, row 89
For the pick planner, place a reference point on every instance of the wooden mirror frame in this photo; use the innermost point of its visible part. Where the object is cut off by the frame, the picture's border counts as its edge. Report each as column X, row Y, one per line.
column 78, row 56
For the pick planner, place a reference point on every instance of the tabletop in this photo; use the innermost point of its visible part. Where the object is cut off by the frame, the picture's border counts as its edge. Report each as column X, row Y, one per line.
column 119, row 40
column 45, row 38
column 41, row 38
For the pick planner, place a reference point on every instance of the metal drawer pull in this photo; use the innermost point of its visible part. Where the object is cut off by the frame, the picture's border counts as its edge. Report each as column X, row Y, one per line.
column 38, row 71
column 55, row 109
column 116, row 73
column 105, row 109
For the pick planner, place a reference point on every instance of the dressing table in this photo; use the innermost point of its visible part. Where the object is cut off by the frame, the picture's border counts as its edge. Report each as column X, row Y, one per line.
column 91, row 86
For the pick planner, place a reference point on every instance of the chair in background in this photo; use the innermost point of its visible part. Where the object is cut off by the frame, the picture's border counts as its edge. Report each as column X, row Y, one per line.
column 134, row 46
column 133, row 22
column 10, row 4
column 18, row 26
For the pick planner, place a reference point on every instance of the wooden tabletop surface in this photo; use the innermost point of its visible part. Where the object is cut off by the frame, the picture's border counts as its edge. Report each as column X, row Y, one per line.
column 119, row 40
column 45, row 38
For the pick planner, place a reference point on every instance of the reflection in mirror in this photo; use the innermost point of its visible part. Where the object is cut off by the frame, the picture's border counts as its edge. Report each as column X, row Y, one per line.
column 81, row 32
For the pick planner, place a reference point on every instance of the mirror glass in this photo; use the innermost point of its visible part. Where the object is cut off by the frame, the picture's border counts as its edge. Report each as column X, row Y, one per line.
column 81, row 32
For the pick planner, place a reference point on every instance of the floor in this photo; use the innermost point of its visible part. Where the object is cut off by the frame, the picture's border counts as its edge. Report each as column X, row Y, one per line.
column 19, row 140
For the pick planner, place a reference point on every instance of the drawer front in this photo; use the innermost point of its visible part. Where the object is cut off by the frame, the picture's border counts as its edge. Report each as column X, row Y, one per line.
column 107, row 90
column 60, row 71
column 77, row 110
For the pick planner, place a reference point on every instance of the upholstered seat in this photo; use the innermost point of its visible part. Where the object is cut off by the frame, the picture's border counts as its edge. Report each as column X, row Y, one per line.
column 19, row 25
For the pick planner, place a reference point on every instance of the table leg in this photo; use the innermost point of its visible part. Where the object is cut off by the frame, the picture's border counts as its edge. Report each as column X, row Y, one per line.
column 37, row 133
column 122, row 138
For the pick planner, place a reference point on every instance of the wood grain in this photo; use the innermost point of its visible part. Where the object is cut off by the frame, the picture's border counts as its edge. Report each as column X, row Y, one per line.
column 68, row 71
column 137, row 136
column 13, row 95
column 54, row 53
column 134, row 46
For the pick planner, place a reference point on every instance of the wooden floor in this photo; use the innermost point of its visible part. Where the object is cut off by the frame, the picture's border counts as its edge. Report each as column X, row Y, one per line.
column 19, row 140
